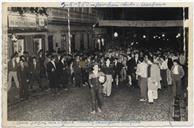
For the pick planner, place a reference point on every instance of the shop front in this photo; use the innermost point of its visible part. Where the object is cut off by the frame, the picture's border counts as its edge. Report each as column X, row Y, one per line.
column 26, row 33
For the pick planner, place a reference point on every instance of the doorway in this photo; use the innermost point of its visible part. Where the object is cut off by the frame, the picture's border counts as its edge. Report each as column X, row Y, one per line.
column 50, row 43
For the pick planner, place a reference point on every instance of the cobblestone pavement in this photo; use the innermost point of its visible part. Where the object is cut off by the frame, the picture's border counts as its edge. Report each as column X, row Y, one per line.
column 75, row 105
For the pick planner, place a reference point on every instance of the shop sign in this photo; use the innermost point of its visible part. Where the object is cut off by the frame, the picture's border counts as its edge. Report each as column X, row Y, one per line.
column 22, row 21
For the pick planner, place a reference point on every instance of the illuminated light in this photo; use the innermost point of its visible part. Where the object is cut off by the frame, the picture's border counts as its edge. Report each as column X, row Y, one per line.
column 178, row 35
column 144, row 36
column 115, row 34
column 137, row 42
column 159, row 37
column 154, row 37
column 163, row 35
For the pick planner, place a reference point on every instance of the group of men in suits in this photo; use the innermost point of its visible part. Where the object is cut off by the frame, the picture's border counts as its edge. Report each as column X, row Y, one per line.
column 23, row 71
column 61, row 70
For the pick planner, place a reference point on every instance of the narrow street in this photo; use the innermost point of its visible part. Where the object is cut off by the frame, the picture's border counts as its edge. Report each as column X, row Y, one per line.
column 75, row 105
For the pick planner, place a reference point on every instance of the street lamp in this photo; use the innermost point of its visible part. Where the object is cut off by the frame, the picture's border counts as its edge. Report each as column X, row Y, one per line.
column 144, row 36
column 115, row 34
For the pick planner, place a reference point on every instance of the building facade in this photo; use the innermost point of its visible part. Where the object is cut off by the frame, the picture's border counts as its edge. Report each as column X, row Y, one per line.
column 49, row 31
column 26, row 32
column 81, row 29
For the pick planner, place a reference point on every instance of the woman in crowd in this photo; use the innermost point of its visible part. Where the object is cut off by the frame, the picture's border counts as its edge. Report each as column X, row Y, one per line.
column 153, row 80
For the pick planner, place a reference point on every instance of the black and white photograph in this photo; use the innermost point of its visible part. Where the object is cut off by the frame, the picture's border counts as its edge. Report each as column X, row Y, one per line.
column 97, row 64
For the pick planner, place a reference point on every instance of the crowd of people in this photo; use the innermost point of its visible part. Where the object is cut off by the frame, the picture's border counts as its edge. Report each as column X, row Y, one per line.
column 145, row 70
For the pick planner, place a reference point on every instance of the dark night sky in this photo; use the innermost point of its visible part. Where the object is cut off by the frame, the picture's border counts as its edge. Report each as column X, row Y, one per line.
column 144, row 13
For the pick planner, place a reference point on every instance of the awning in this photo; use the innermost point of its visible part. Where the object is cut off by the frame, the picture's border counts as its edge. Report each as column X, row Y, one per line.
column 140, row 23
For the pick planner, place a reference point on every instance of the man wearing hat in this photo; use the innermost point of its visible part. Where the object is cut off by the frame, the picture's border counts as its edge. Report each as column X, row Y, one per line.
column 52, row 74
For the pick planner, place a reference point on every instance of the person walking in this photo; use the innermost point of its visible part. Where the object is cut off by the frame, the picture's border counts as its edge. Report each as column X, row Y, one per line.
column 107, row 86
column 35, row 73
column 96, row 89
column 52, row 74
column 129, row 70
column 134, row 63
column 177, row 75
column 142, row 78
column 163, row 71
column 153, row 80
column 77, row 72
column 62, row 73
column 23, row 77
column 13, row 71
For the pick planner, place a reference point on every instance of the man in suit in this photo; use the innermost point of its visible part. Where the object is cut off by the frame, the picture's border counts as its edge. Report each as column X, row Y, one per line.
column 52, row 74
column 117, row 70
column 35, row 73
column 41, row 60
column 23, row 77
column 12, row 71
column 62, row 72
column 77, row 72
column 129, row 69
column 177, row 75
column 134, row 63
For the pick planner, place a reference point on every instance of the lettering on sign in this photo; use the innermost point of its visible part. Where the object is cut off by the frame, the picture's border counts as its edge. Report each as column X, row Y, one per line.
column 22, row 21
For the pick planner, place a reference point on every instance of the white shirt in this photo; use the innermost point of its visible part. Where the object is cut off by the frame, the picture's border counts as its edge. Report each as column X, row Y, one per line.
column 13, row 63
column 136, row 59
column 34, row 65
column 53, row 63
column 175, row 70
column 142, row 70
column 164, row 65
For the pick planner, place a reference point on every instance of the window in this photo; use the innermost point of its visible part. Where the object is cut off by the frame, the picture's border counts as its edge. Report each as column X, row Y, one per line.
column 37, row 44
column 18, row 46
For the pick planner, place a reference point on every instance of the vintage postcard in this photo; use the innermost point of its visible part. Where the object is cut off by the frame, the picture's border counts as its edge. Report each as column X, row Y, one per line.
column 97, row 64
